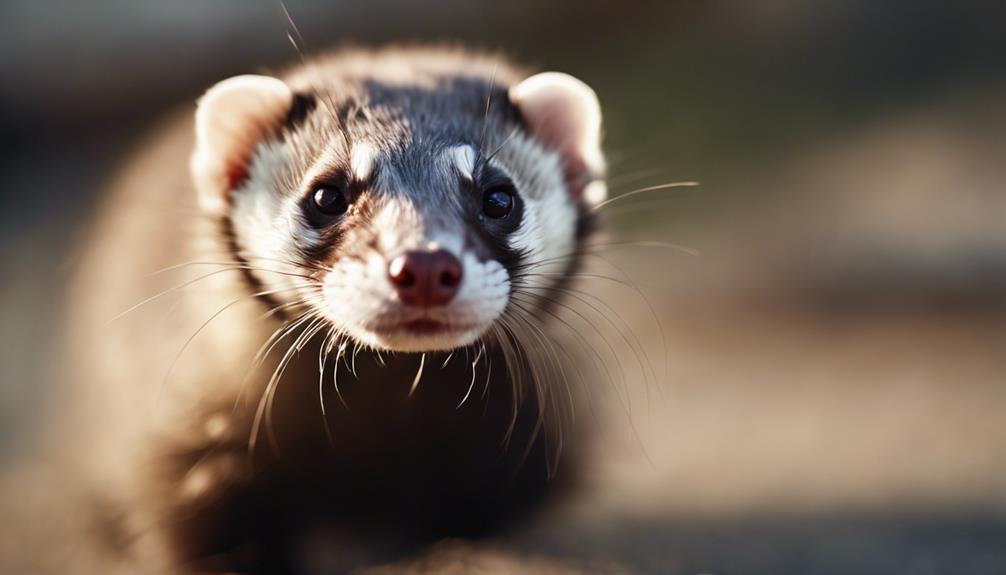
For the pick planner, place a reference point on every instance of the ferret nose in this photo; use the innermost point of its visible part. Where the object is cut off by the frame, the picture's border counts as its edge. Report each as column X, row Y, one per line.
column 425, row 278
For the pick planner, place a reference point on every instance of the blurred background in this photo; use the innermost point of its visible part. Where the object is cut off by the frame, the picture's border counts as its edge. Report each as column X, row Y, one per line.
column 832, row 366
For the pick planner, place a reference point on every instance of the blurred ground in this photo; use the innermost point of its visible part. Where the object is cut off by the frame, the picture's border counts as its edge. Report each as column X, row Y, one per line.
column 833, row 393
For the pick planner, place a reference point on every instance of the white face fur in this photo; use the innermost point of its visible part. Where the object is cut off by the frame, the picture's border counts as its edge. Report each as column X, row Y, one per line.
column 352, row 260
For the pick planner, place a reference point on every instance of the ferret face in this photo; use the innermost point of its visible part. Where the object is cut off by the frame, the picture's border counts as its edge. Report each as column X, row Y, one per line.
column 414, row 249
column 405, row 215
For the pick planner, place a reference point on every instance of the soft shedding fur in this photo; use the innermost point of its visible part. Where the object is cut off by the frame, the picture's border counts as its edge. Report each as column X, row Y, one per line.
column 254, row 408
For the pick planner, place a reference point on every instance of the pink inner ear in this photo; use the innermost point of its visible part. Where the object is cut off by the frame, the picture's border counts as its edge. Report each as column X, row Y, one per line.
column 237, row 174
column 554, row 123
column 241, row 156
column 559, row 129
column 577, row 176
column 231, row 119
column 562, row 113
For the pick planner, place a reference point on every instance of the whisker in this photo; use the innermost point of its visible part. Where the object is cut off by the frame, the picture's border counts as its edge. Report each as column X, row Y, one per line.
column 653, row 314
column 504, row 143
column 296, row 31
column 352, row 367
column 485, row 115
column 276, row 309
column 587, row 251
column 637, row 348
column 446, row 361
column 181, row 286
column 537, row 379
column 649, row 244
column 419, row 375
column 323, row 351
column 505, row 337
column 231, row 265
column 626, row 402
column 251, row 256
column 335, row 373
column 171, row 290
column 625, row 325
column 472, row 385
column 555, row 364
column 300, row 45
column 588, row 275
column 622, row 401
column 215, row 315
column 266, row 349
column 489, row 373
column 609, row 201
column 262, row 412
column 634, row 176
column 308, row 334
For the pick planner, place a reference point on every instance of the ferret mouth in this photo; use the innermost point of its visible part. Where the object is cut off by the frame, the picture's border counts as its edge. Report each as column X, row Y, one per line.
column 423, row 334
column 426, row 327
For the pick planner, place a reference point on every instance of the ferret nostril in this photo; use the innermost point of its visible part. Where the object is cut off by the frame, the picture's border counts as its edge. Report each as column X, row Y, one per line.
column 448, row 272
column 450, row 278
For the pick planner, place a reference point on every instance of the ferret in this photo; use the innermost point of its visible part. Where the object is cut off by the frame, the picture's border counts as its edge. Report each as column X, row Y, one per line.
column 313, row 315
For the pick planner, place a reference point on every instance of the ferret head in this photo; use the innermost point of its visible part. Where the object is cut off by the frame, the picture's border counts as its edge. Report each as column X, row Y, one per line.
column 403, row 196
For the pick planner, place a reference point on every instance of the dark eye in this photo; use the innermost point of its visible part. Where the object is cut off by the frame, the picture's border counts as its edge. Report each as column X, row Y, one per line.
column 497, row 202
column 330, row 201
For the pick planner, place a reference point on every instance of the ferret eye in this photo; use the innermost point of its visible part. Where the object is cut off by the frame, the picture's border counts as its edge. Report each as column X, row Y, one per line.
column 497, row 202
column 330, row 201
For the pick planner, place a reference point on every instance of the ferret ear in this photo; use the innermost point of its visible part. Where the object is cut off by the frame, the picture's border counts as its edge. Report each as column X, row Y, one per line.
column 564, row 113
column 232, row 117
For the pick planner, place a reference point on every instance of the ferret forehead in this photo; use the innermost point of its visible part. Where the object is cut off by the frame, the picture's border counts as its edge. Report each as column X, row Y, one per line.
column 424, row 170
column 391, row 165
column 401, row 92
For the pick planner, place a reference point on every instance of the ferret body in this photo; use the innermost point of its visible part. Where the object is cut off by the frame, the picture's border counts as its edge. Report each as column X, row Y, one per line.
column 344, row 276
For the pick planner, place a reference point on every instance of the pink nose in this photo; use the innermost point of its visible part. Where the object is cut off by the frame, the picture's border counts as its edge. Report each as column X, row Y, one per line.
column 425, row 278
